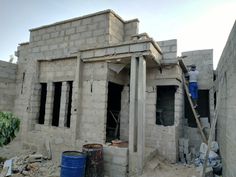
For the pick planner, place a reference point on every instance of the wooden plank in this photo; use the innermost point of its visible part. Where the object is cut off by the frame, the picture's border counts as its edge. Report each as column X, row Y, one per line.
column 183, row 66
column 194, row 112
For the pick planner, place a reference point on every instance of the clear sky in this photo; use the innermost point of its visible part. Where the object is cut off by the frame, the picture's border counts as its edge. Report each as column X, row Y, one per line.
column 196, row 24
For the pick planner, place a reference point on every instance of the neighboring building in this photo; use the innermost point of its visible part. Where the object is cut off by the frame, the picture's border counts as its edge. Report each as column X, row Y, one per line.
column 93, row 79
column 226, row 105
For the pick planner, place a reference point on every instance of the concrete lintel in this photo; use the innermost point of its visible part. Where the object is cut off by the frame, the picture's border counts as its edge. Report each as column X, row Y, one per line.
column 112, row 53
column 149, row 41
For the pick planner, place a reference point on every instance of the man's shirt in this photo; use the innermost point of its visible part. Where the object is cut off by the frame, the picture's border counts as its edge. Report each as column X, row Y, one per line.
column 193, row 76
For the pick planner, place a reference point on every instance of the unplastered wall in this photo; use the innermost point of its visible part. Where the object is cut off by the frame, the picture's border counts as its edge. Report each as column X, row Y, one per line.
column 120, row 30
column 7, row 86
column 131, row 28
column 226, row 79
column 116, row 29
column 92, row 117
column 203, row 59
column 57, row 70
column 164, row 138
column 169, row 49
column 60, row 138
column 65, row 38
column 21, row 87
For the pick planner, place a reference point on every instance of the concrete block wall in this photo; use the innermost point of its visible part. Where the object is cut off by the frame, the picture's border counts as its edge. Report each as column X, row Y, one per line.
column 60, row 140
column 169, row 50
column 226, row 79
column 58, row 43
column 124, row 114
column 203, row 59
column 57, row 71
column 115, row 161
column 93, row 103
column 64, row 38
column 131, row 28
column 7, row 85
column 163, row 138
column 21, row 87
column 116, row 29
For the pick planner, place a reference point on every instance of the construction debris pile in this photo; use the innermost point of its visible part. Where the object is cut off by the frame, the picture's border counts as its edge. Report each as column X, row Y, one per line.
column 214, row 160
column 32, row 165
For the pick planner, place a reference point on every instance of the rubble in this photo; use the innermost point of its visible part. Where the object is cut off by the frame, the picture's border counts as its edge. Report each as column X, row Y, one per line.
column 32, row 165
column 214, row 160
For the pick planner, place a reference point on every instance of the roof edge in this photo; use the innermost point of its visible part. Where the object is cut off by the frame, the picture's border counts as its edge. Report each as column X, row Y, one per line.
column 83, row 17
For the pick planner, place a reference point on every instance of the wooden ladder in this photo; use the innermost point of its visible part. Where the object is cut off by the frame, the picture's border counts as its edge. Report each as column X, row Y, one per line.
column 196, row 116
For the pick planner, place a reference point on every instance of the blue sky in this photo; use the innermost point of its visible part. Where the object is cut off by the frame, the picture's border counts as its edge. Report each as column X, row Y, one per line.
column 196, row 24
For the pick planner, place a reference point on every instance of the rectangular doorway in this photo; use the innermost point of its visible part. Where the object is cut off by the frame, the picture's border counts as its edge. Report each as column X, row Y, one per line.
column 113, row 111
column 203, row 108
column 165, row 105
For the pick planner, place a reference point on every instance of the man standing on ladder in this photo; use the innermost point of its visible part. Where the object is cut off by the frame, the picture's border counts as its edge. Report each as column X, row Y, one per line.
column 193, row 86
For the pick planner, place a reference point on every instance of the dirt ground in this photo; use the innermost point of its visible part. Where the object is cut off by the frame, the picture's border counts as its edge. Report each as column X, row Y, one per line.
column 157, row 167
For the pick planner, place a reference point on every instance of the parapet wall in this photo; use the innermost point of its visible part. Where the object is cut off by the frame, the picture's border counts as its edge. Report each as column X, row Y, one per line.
column 7, row 85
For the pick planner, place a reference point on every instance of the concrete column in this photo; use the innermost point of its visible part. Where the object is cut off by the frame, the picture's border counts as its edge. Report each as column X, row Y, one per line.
column 49, row 104
column 64, row 104
column 137, row 115
column 77, row 97
column 141, row 113
column 133, row 117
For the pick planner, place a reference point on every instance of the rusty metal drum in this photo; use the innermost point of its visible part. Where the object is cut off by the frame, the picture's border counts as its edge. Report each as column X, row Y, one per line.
column 94, row 163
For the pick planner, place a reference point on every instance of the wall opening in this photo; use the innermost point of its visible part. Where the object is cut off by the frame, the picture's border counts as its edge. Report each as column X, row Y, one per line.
column 42, row 103
column 113, row 111
column 202, row 109
column 165, row 105
column 69, row 104
column 56, row 103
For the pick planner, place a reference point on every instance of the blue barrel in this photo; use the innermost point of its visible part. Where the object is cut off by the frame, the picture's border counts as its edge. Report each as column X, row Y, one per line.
column 73, row 164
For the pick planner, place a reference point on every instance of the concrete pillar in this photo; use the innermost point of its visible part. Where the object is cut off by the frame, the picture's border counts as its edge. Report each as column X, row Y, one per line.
column 49, row 104
column 133, row 117
column 137, row 115
column 64, row 104
column 141, row 113
column 77, row 97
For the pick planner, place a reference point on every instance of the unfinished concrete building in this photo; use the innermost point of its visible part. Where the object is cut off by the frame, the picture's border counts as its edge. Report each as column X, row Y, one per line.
column 93, row 79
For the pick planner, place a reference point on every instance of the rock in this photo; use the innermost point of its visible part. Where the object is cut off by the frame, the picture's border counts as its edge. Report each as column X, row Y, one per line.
column 35, row 158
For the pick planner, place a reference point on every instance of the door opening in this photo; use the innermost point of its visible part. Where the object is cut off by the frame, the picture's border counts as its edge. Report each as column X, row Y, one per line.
column 113, row 111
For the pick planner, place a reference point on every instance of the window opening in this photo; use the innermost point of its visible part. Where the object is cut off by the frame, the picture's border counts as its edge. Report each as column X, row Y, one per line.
column 56, row 103
column 69, row 104
column 42, row 103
